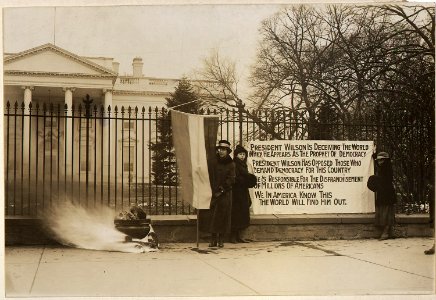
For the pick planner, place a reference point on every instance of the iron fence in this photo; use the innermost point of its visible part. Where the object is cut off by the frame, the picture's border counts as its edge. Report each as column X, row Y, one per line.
column 103, row 156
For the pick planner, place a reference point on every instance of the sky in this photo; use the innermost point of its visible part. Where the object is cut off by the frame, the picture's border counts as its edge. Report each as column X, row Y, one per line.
column 172, row 40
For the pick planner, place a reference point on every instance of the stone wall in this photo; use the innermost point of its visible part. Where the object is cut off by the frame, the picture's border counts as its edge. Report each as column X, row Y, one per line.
column 182, row 228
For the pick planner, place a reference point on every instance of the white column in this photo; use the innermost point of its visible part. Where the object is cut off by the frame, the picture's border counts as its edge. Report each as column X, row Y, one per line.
column 107, row 98
column 69, row 127
column 27, row 94
column 26, row 130
column 106, row 134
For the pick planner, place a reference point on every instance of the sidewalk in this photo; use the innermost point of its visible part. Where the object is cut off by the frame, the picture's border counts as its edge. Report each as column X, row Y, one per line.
column 339, row 267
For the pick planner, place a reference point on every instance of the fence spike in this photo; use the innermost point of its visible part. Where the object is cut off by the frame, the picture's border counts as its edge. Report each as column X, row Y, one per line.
column 298, row 133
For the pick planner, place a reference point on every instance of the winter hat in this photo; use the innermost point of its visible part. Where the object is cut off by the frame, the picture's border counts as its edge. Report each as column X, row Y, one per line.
column 382, row 155
column 224, row 144
column 240, row 149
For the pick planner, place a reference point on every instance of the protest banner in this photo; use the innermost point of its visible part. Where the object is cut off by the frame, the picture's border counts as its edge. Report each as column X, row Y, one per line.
column 311, row 177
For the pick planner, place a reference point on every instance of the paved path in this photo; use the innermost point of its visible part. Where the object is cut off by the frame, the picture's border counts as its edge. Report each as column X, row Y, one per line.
column 356, row 267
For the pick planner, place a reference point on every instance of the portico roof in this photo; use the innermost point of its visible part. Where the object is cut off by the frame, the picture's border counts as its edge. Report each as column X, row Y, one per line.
column 51, row 61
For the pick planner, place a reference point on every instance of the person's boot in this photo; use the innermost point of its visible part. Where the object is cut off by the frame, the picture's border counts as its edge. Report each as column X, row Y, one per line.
column 239, row 239
column 220, row 241
column 213, row 242
column 429, row 251
column 233, row 237
column 385, row 234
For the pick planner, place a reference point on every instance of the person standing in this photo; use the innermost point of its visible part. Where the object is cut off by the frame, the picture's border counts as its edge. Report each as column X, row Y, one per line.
column 241, row 201
column 222, row 178
column 385, row 196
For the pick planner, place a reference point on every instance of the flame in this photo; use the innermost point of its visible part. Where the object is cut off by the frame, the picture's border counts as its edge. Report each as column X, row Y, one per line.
column 89, row 228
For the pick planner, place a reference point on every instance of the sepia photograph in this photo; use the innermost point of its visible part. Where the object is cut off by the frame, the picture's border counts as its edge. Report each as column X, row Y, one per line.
column 207, row 149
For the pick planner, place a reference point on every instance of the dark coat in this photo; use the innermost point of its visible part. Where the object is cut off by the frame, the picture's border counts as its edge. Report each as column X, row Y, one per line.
column 385, row 191
column 222, row 178
column 241, row 198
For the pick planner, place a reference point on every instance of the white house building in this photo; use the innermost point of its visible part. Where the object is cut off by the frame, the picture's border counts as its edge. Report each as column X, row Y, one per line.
column 49, row 71
column 50, row 74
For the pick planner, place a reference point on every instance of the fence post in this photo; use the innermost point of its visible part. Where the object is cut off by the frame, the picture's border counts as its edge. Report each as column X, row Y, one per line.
column 26, row 128
column 68, row 143
column 240, row 121
column 87, row 103
column 378, row 124
column 107, row 134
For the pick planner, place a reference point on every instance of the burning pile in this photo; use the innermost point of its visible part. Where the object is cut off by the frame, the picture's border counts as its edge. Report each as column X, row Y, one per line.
column 93, row 228
column 136, row 226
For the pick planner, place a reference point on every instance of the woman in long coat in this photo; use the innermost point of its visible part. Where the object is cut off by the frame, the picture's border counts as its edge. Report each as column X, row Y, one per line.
column 385, row 197
column 222, row 178
column 241, row 198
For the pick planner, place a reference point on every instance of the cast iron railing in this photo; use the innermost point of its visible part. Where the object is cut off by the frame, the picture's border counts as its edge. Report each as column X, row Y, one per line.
column 102, row 156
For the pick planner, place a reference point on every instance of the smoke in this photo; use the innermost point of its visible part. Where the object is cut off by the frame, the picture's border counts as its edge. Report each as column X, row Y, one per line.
column 89, row 228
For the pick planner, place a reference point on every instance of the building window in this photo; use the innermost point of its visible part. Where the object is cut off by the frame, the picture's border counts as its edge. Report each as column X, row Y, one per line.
column 83, row 123
column 51, row 122
column 128, row 125
column 128, row 163
column 51, row 140
column 83, row 166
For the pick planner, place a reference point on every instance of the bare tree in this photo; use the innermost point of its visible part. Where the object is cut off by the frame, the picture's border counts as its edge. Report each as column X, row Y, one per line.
column 340, row 56
column 417, row 24
column 219, row 87
column 338, row 61
column 293, row 55
column 219, row 81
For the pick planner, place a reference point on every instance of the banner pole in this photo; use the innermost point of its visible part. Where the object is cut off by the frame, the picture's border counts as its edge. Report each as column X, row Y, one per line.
column 198, row 225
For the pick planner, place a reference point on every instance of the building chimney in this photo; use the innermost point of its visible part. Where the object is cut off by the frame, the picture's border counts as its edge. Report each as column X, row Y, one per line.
column 137, row 67
column 115, row 66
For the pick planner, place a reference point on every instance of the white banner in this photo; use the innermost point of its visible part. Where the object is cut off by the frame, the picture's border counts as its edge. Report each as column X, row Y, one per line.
column 311, row 177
